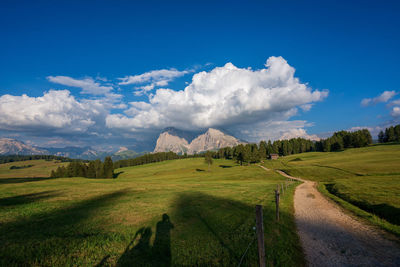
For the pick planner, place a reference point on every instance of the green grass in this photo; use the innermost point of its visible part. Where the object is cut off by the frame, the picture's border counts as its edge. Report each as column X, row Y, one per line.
column 363, row 180
column 40, row 169
column 119, row 222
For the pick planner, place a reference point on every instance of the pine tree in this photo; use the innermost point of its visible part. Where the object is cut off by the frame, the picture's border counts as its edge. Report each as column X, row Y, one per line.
column 390, row 135
column 397, row 133
column 262, row 148
column 99, row 168
column 381, row 137
column 108, row 167
column 91, row 171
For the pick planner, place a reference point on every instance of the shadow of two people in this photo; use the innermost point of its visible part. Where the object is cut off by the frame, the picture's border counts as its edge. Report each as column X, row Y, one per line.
column 143, row 254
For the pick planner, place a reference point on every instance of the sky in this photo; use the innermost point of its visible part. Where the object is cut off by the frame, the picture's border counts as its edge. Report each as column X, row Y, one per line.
column 115, row 73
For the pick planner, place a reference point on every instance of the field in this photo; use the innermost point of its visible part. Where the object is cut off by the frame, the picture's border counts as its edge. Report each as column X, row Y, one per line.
column 175, row 212
column 40, row 169
column 365, row 178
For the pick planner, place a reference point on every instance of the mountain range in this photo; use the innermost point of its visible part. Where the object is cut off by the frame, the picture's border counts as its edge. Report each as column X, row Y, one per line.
column 10, row 146
column 170, row 139
column 174, row 140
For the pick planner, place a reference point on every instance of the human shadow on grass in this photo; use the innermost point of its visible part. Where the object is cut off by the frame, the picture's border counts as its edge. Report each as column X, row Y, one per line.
column 27, row 198
column 24, row 180
column 200, row 170
column 35, row 239
column 143, row 253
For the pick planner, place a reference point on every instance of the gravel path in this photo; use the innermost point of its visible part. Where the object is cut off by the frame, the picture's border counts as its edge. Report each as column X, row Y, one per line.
column 331, row 237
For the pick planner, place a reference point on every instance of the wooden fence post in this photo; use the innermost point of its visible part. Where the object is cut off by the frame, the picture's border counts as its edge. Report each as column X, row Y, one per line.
column 260, row 235
column 277, row 203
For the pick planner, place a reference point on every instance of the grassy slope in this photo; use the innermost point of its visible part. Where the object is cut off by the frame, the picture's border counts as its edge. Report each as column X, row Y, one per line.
column 77, row 221
column 368, row 178
column 41, row 168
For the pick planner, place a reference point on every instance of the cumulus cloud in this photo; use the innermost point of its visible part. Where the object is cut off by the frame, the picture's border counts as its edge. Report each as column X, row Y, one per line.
column 382, row 98
column 88, row 85
column 227, row 97
column 395, row 112
column 56, row 111
column 154, row 78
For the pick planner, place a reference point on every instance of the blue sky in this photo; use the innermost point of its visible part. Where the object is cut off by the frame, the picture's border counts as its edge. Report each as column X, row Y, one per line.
column 342, row 52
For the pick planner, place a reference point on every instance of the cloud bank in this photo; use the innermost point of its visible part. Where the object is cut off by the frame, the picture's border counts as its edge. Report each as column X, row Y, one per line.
column 55, row 111
column 226, row 97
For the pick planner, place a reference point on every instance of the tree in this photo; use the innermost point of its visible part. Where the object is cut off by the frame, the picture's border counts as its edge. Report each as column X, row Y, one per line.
column 397, row 133
column 238, row 154
column 262, row 148
column 390, row 134
column 91, row 171
column 108, row 167
column 98, row 165
column 208, row 159
column 381, row 137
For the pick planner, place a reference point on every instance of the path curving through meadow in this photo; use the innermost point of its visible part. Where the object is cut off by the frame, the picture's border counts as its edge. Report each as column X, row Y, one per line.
column 331, row 237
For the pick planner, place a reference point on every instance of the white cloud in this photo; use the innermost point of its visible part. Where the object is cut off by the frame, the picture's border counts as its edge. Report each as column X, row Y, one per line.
column 55, row 111
column 395, row 112
column 227, row 97
column 382, row 98
column 394, row 103
column 153, row 78
column 88, row 85
column 299, row 132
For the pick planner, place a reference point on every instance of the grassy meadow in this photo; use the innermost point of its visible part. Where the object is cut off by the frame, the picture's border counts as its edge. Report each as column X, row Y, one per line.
column 40, row 169
column 172, row 213
column 364, row 180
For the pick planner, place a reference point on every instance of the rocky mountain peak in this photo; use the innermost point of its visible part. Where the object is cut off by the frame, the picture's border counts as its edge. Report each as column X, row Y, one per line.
column 10, row 146
column 212, row 139
column 169, row 142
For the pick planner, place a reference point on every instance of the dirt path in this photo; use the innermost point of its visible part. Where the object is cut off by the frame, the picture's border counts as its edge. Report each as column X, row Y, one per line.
column 332, row 238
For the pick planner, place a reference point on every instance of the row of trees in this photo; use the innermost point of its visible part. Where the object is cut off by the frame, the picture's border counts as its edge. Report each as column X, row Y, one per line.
column 391, row 134
column 13, row 158
column 147, row 158
column 251, row 153
column 344, row 139
column 93, row 169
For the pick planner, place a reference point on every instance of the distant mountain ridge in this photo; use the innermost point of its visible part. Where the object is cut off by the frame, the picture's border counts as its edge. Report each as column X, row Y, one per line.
column 10, row 146
column 212, row 139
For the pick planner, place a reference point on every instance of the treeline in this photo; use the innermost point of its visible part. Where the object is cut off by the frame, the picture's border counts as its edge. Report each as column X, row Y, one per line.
column 93, row 169
column 391, row 134
column 252, row 153
column 344, row 139
column 13, row 158
column 151, row 158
